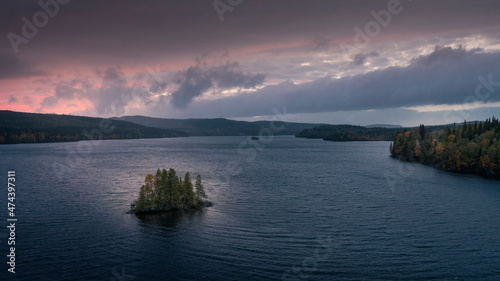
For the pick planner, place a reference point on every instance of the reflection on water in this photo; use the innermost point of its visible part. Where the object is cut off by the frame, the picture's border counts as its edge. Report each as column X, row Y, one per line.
column 171, row 219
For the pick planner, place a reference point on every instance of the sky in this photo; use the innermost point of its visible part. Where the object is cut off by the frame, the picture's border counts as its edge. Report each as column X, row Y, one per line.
column 404, row 62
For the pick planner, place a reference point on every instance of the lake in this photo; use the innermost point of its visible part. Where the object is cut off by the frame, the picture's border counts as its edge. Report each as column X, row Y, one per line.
column 284, row 209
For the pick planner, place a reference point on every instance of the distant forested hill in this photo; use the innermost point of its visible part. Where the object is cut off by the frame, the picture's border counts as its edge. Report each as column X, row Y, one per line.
column 18, row 127
column 467, row 148
column 218, row 126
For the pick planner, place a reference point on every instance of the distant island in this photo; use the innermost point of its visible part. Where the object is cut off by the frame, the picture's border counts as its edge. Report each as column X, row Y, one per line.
column 165, row 192
column 349, row 133
column 467, row 148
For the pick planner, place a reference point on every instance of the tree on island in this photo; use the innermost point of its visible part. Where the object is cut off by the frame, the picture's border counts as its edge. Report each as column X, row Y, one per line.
column 200, row 192
column 166, row 191
column 146, row 198
column 188, row 193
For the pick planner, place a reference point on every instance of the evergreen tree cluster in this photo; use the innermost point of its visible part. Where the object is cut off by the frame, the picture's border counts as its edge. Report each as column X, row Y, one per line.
column 166, row 191
column 468, row 148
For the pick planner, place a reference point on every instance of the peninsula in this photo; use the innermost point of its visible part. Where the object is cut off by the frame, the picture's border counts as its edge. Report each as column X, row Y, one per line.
column 472, row 148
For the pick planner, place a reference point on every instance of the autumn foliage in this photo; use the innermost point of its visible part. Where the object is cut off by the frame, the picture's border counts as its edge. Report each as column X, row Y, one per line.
column 468, row 148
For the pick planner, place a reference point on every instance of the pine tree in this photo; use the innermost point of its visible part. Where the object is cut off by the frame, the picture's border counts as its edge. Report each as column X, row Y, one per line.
column 470, row 133
column 171, row 184
column 148, row 188
column 421, row 130
column 163, row 194
column 177, row 195
column 140, row 203
column 200, row 192
column 157, row 191
column 189, row 197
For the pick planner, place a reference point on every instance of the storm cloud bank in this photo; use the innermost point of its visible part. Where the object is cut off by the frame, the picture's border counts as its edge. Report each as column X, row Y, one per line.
column 446, row 76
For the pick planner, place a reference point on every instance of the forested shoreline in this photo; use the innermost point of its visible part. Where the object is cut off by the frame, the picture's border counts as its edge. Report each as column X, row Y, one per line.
column 467, row 148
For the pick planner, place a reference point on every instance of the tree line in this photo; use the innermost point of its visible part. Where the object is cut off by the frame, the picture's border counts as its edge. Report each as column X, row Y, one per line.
column 166, row 191
column 348, row 133
column 468, row 148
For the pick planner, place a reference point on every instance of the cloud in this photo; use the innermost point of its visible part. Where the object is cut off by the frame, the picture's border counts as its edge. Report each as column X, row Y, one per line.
column 321, row 42
column 360, row 58
column 196, row 80
column 13, row 67
column 112, row 94
column 441, row 54
column 110, row 97
column 445, row 76
column 157, row 87
column 12, row 99
column 66, row 90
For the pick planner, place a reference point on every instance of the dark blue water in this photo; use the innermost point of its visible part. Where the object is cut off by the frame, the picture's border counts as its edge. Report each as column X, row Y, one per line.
column 295, row 209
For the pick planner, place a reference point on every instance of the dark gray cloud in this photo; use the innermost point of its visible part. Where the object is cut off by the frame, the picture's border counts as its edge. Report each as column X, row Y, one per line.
column 12, row 99
column 360, row 58
column 446, row 76
column 104, row 31
column 13, row 67
column 321, row 42
column 441, row 54
column 198, row 79
column 157, row 87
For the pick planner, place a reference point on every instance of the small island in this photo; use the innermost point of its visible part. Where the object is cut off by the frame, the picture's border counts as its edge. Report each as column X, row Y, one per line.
column 165, row 192
column 472, row 148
